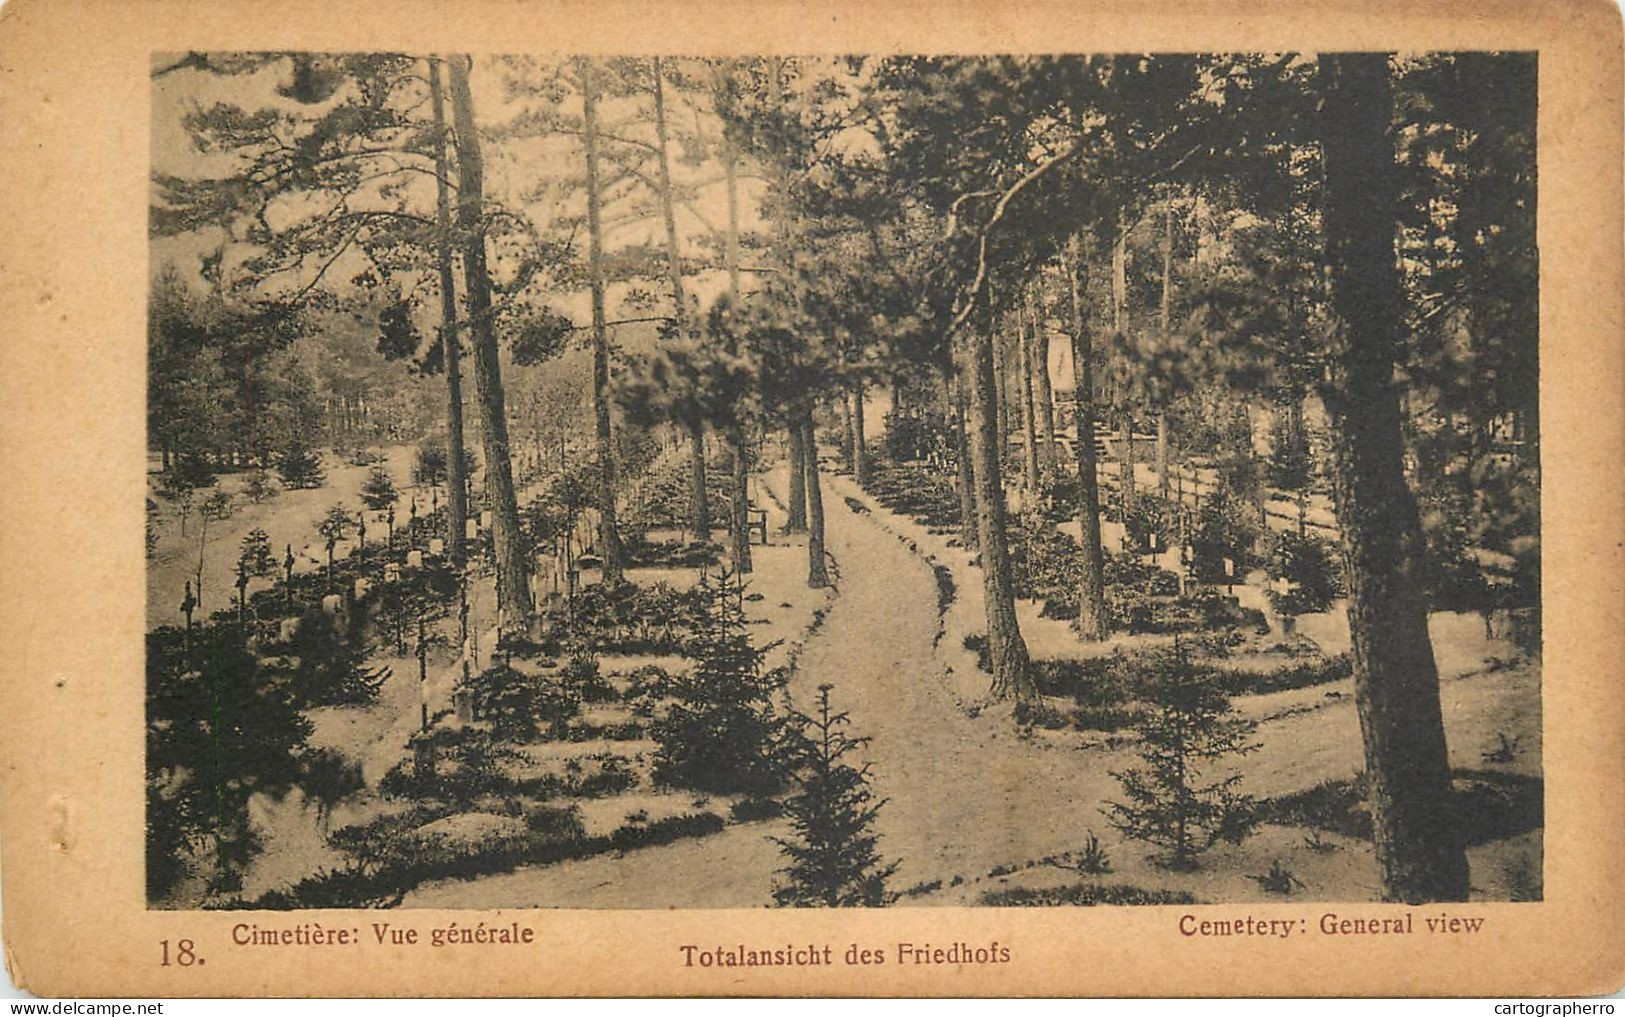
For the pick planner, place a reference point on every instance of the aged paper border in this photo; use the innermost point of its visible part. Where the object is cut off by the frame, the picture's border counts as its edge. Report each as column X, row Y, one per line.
column 74, row 102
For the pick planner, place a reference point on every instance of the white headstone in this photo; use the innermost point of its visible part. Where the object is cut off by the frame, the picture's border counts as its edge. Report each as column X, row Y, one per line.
column 330, row 605
column 414, row 559
column 471, row 529
column 437, row 546
column 392, row 573
column 485, row 518
column 286, row 630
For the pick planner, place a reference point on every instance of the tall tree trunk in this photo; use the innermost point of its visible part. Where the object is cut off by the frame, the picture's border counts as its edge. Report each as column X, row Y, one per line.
column 1006, row 648
column 513, row 565
column 609, row 533
column 1001, row 397
column 699, row 497
column 796, row 511
column 1029, row 415
column 1046, row 395
column 1166, row 313
column 1092, row 582
column 860, row 441
column 1396, row 682
column 1125, row 457
column 739, row 471
column 1254, row 467
column 817, row 570
column 739, row 521
column 847, row 441
column 450, row 340
column 967, row 484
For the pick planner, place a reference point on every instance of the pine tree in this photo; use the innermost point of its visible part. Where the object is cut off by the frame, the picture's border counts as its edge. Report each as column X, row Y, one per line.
column 719, row 733
column 834, row 856
column 1189, row 726
column 1396, row 678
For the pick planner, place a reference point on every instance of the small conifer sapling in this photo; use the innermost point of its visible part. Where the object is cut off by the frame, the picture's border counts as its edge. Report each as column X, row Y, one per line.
column 834, row 853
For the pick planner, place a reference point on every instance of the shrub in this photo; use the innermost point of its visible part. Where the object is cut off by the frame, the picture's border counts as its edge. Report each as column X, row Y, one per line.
column 556, row 822
column 556, row 704
column 834, row 860
column 1279, row 879
column 1217, row 611
column 472, row 768
column 916, row 435
column 748, row 810
column 507, row 698
column 1189, row 724
column 1093, row 860
column 1295, row 675
column 664, row 831
column 1101, row 688
column 353, row 887
column 580, row 673
column 1045, row 563
column 1085, row 894
column 613, row 775
column 927, row 497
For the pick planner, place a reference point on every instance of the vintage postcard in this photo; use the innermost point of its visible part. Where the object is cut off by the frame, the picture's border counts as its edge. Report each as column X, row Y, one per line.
column 762, row 499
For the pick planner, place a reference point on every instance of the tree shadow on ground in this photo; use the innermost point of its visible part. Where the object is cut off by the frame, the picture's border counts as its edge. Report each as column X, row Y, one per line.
column 1488, row 805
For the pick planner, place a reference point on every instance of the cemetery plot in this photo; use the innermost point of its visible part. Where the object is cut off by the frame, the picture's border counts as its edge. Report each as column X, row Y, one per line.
column 873, row 481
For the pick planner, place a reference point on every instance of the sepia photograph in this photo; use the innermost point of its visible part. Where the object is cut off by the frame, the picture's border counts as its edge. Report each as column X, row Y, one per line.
column 857, row 481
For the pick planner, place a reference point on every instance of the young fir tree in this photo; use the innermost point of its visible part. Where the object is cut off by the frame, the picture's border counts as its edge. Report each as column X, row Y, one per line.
column 218, row 732
column 321, row 667
column 299, row 464
column 1189, row 726
column 1310, row 570
column 379, row 490
column 259, row 487
column 834, row 856
column 719, row 733
column 429, row 466
column 256, row 557
column 334, row 527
